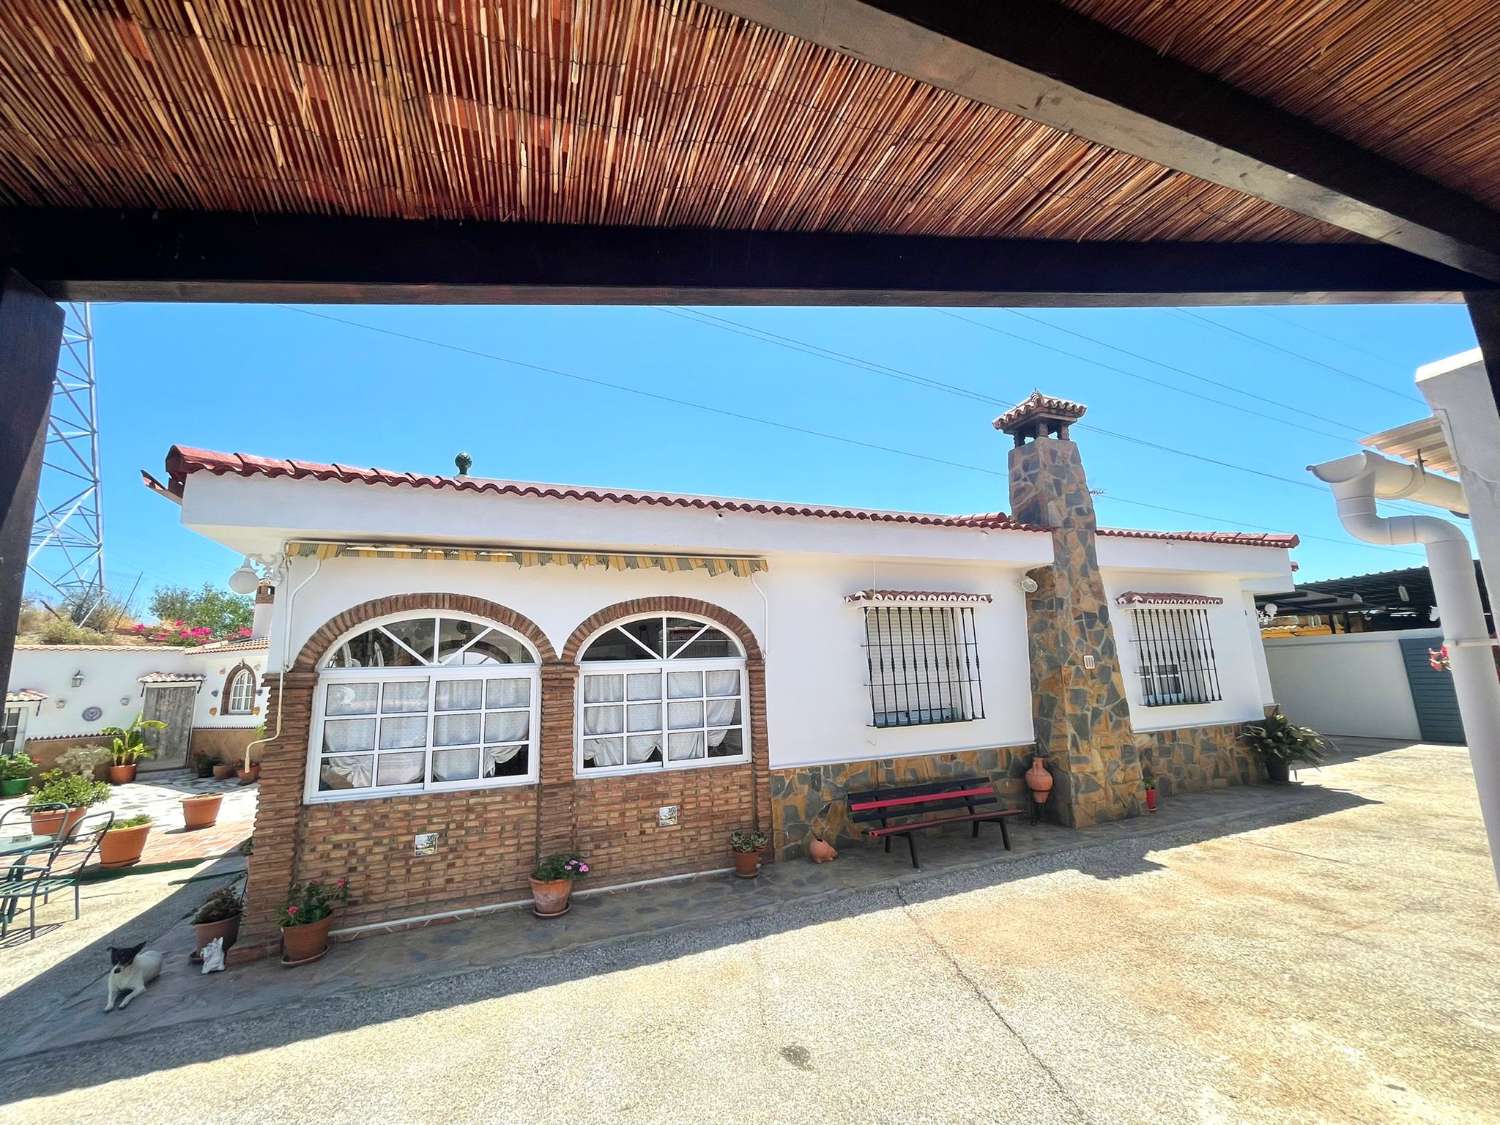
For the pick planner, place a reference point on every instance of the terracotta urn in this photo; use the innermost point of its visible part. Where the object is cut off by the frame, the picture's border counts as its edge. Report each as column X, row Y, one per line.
column 1038, row 780
column 222, row 770
column 747, row 864
column 201, row 812
column 58, row 822
column 822, row 851
column 122, row 847
column 226, row 928
column 550, row 898
column 122, row 775
column 249, row 776
column 300, row 944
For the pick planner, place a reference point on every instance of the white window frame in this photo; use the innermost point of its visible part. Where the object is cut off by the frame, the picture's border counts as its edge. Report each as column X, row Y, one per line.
column 663, row 665
column 242, row 674
column 432, row 673
column 19, row 710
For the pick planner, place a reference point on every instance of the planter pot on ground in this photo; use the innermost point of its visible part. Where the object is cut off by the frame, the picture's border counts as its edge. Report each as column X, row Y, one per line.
column 747, row 864
column 122, row 775
column 550, row 898
column 300, row 944
column 226, row 928
column 222, row 770
column 1278, row 772
column 56, row 823
column 14, row 786
column 201, row 812
column 248, row 776
column 1039, row 780
column 1150, row 800
column 122, row 847
column 821, row 851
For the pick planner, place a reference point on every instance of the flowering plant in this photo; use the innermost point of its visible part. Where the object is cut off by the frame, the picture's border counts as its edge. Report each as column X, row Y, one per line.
column 180, row 633
column 564, row 865
column 1438, row 659
column 312, row 902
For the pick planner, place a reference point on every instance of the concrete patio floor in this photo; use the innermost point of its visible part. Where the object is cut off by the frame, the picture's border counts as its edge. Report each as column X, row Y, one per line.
column 1319, row 952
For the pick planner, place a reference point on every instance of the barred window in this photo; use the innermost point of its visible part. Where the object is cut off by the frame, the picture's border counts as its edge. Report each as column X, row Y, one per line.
column 1174, row 653
column 923, row 665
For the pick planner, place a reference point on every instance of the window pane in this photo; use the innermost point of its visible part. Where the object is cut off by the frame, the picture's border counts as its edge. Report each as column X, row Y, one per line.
column 684, row 747
column 455, row 730
column 726, row 743
column 644, row 748
column 458, row 695
column 356, row 771
column 351, row 699
column 348, row 734
column 684, row 685
column 644, row 716
column 646, row 631
column 603, row 689
column 603, row 720
column 415, row 633
column 683, row 715
column 603, row 752
column 507, row 726
column 405, row 695
column 455, row 765
column 724, row 681
column 399, row 733
column 680, row 631
column 492, row 647
column 712, row 642
column 505, row 761
column 643, row 685
column 454, row 634
column 617, row 643
column 400, row 769
column 723, row 712
column 370, row 649
column 507, row 693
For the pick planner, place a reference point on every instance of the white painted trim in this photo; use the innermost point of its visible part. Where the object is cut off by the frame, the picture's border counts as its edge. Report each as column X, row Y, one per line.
column 902, row 754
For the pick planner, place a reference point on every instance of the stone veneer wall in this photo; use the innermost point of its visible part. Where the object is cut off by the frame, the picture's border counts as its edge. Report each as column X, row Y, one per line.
column 799, row 796
column 1192, row 759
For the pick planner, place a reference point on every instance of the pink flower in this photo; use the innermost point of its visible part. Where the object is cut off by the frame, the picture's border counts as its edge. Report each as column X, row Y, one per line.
column 245, row 631
column 344, row 881
column 583, row 869
column 291, row 911
column 140, row 628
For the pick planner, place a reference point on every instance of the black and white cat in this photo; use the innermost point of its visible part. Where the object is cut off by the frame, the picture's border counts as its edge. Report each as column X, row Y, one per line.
column 131, row 969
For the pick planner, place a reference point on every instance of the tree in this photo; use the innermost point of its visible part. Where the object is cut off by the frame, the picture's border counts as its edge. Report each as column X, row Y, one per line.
column 223, row 612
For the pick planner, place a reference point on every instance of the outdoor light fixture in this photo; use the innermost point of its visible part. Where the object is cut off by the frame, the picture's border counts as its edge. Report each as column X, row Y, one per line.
column 78, row 678
column 244, row 580
column 1028, row 584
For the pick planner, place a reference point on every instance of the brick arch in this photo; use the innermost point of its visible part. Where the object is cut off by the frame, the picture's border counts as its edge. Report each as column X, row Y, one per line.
column 692, row 607
column 335, row 627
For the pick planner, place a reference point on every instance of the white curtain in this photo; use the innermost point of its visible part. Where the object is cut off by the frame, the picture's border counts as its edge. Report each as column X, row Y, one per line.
column 400, row 769
column 506, row 726
column 348, row 734
column 352, row 772
column 604, row 751
column 603, row 689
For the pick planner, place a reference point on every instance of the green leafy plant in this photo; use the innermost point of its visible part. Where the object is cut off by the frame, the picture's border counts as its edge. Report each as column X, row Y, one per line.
column 312, row 902
column 61, row 631
column 745, row 840
column 563, row 865
column 59, row 787
column 222, row 904
column 82, row 760
column 128, row 744
column 1148, row 779
column 1279, row 738
column 130, row 822
column 218, row 612
column 13, row 767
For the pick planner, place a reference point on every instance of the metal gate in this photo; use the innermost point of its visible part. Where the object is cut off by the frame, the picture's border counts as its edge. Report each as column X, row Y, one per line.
column 1431, row 692
column 173, row 705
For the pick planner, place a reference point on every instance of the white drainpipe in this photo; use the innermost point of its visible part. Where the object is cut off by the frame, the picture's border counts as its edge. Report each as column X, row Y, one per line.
column 1355, row 482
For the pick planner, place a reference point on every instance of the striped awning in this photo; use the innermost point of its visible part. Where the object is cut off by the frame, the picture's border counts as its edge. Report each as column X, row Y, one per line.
column 739, row 566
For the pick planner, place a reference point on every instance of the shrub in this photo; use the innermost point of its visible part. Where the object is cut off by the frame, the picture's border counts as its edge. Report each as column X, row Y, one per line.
column 1278, row 737
column 222, row 904
column 130, row 822
column 564, row 865
column 745, row 840
column 16, row 766
column 82, row 760
column 74, row 790
column 312, row 902
column 61, row 631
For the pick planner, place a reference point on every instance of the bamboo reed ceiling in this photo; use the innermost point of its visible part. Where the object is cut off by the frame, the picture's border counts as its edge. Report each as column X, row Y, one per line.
column 641, row 112
column 1417, row 81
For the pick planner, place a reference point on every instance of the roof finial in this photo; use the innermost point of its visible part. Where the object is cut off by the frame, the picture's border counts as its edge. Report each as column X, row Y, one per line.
column 464, row 463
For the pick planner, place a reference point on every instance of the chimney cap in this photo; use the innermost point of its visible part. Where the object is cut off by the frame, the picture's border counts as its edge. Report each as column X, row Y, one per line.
column 1037, row 407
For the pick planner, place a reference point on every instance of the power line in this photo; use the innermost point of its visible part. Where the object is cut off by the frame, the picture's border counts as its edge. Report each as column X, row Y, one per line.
column 1332, row 339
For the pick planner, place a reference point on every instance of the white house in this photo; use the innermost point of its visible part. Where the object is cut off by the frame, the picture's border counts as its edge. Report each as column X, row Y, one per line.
column 521, row 668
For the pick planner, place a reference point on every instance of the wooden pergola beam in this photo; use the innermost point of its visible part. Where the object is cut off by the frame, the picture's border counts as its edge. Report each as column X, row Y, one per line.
column 193, row 256
column 1046, row 63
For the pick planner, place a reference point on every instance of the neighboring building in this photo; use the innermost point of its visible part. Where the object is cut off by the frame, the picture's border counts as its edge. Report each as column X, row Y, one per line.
column 525, row 668
column 1384, row 601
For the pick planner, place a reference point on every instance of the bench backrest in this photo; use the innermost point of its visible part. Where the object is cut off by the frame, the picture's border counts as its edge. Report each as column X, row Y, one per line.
column 914, row 800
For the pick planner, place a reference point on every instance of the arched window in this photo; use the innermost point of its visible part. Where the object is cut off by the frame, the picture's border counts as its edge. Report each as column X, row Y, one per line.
column 424, row 702
column 239, row 696
column 661, row 692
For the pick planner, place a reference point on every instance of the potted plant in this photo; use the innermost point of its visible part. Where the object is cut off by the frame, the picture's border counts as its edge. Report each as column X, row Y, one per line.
column 747, row 845
column 128, row 746
column 58, row 787
column 201, row 811
column 552, row 883
column 1281, row 744
column 15, row 774
column 218, row 917
column 203, row 765
column 222, row 769
column 1149, row 779
column 306, row 919
column 122, row 844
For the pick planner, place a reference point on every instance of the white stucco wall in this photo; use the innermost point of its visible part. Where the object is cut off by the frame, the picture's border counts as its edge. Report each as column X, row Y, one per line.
column 1353, row 684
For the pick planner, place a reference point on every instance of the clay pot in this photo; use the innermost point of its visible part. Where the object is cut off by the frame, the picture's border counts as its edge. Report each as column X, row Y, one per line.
column 300, row 944
column 1038, row 780
column 821, row 851
column 122, row 775
column 57, row 823
column 201, row 812
column 222, row 770
column 249, row 776
column 550, row 898
column 226, row 928
column 747, row 864
column 1150, row 800
column 122, row 847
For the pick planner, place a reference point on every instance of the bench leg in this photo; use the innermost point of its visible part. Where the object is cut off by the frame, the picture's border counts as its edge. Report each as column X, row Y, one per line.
column 887, row 845
column 1004, row 834
column 975, row 834
column 911, row 842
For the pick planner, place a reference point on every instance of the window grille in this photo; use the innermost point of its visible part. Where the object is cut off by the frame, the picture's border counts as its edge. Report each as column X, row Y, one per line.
column 1175, row 657
column 923, row 664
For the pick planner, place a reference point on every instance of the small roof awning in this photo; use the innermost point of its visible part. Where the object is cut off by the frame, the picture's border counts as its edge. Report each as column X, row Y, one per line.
column 740, row 566
column 926, row 597
column 1418, row 442
column 25, row 695
column 1135, row 597
column 151, row 678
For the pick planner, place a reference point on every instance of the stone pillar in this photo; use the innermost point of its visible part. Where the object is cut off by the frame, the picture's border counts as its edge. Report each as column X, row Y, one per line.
column 1079, row 706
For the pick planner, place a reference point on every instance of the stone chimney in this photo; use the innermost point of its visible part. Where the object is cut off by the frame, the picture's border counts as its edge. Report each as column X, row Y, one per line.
column 260, row 623
column 1078, row 699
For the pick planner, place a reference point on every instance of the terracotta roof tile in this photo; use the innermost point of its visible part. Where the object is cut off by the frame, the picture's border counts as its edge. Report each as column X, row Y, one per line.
column 949, row 597
column 1134, row 597
column 25, row 695
column 170, row 678
column 1038, row 405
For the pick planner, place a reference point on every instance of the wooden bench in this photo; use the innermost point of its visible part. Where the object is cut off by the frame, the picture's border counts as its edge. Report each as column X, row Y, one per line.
column 922, row 801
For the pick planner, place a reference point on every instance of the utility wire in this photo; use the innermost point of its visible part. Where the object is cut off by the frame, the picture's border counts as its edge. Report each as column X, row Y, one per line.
column 477, row 353
column 1332, row 339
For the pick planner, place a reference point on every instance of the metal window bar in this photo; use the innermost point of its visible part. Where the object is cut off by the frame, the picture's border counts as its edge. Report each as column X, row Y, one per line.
column 1175, row 657
column 923, row 665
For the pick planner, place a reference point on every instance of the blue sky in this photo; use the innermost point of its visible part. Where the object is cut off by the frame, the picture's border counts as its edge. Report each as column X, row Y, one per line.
column 276, row 380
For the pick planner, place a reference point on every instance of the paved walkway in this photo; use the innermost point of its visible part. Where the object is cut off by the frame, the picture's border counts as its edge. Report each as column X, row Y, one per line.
column 1320, row 952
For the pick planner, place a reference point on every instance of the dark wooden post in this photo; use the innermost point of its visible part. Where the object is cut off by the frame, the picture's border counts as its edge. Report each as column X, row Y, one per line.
column 30, row 336
column 1484, row 312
